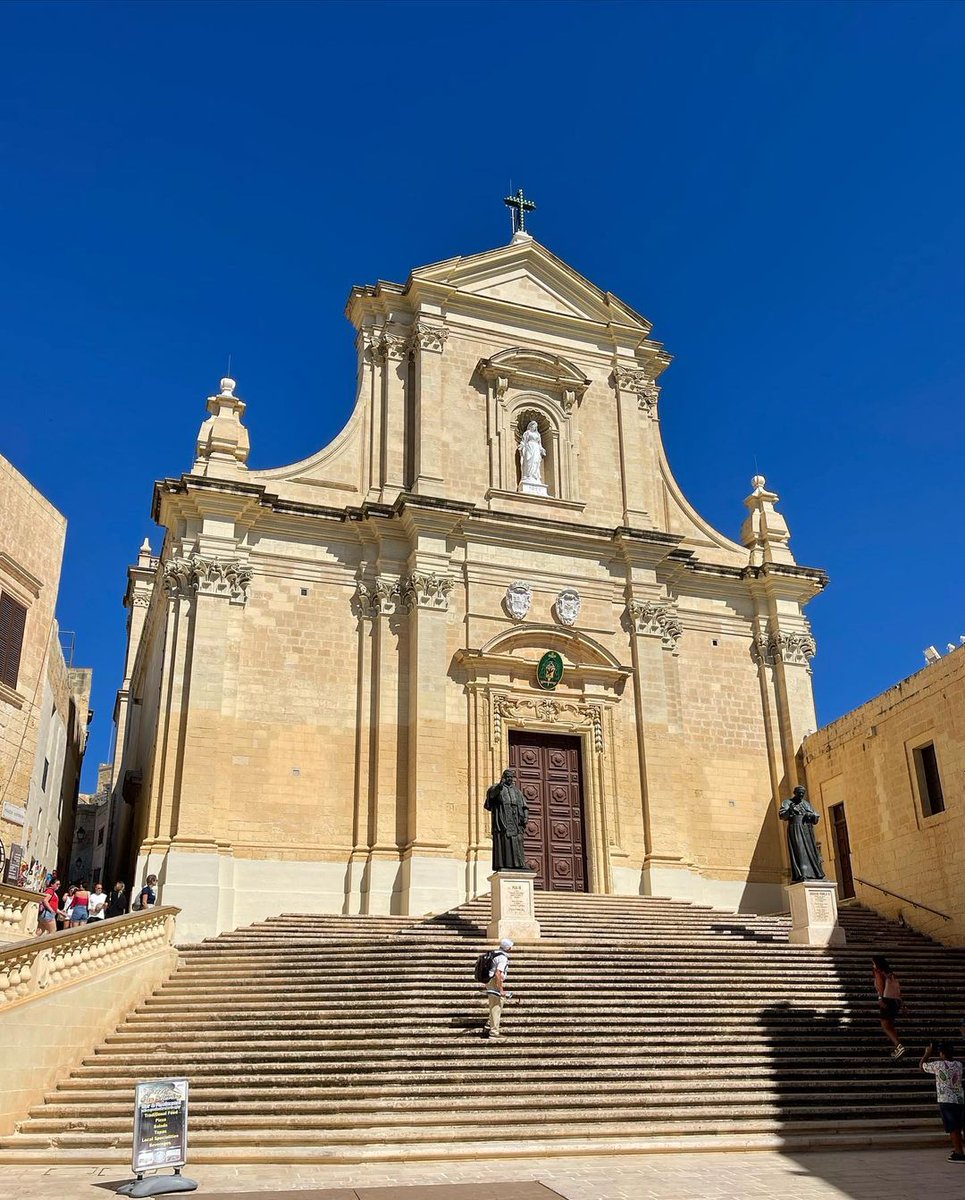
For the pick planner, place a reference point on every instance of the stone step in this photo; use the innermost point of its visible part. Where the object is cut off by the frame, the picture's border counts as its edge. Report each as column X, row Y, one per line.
column 574, row 1118
column 443, row 1097
column 893, row 1134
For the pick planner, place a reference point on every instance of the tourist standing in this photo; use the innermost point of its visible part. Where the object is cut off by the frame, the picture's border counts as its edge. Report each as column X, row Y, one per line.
column 941, row 1062
column 47, row 918
column 888, row 988
column 117, row 904
column 97, row 905
column 496, row 992
column 147, row 897
column 66, row 903
column 79, row 911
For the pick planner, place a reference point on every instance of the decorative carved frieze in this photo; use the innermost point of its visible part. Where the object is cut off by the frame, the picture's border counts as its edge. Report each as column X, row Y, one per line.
column 519, row 599
column 634, row 379
column 544, row 711
column 429, row 337
column 141, row 600
column 656, row 618
column 567, row 606
column 197, row 575
column 420, row 590
column 375, row 599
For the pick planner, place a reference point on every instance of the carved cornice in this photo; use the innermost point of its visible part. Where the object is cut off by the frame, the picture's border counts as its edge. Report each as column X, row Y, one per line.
column 197, row 575
column 656, row 618
column 634, row 379
column 545, row 711
column 419, row 590
column 429, row 337
column 375, row 599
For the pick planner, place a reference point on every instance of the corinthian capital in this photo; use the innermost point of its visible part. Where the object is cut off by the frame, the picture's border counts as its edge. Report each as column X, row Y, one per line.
column 196, row 575
column 420, row 590
column 430, row 337
column 656, row 618
column 634, row 379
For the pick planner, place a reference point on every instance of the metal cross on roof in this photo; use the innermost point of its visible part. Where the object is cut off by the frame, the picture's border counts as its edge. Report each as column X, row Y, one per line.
column 520, row 206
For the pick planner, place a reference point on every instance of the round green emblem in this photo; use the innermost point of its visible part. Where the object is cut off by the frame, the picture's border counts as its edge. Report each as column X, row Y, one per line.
column 549, row 672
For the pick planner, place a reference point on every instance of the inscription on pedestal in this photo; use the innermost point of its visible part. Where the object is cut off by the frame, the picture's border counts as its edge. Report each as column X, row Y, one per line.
column 515, row 900
column 822, row 908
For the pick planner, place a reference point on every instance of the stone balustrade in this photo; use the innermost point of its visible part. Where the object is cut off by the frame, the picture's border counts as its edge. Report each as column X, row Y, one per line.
column 62, row 993
column 19, row 909
column 47, row 963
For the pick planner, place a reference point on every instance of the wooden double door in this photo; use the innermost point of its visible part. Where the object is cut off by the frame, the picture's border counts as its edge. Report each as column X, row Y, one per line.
column 549, row 773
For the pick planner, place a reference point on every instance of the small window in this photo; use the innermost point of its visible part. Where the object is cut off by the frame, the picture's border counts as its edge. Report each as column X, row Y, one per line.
column 43, row 782
column 929, row 781
column 100, row 837
column 13, row 619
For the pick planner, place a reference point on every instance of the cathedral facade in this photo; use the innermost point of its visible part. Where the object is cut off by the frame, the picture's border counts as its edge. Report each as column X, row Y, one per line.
column 330, row 662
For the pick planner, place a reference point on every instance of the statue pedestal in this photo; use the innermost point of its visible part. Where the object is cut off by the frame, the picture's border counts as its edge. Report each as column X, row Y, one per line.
column 528, row 488
column 513, row 914
column 814, row 913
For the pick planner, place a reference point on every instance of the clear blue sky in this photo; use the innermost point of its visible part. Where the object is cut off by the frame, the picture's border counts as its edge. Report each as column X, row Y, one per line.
column 780, row 188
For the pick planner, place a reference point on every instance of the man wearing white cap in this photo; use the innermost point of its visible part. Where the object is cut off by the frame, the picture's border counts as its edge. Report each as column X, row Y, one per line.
column 496, row 992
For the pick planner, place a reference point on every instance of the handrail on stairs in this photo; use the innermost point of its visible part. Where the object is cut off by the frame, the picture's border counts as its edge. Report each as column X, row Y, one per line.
column 899, row 896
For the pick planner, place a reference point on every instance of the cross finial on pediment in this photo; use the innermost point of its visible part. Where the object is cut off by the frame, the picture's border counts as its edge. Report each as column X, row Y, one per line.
column 520, row 207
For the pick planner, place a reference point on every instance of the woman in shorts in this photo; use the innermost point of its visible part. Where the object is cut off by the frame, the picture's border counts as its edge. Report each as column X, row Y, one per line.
column 79, row 910
column 889, row 1001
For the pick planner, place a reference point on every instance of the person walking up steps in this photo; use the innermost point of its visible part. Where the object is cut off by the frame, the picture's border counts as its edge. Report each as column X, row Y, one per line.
column 496, row 992
column 939, row 1060
column 889, row 1001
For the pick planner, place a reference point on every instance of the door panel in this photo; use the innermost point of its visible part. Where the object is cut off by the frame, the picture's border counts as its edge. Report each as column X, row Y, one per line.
column 548, row 772
column 842, row 851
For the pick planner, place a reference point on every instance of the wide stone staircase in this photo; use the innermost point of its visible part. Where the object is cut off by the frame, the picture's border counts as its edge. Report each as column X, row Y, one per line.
column 644, row 1024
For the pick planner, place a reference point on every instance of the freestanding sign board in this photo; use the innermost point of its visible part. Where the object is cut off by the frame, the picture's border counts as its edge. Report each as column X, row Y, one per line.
column 11, row 871
column 160, row 1124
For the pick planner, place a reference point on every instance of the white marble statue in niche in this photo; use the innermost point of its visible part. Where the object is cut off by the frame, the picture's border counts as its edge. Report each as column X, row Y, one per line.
column 531, row 455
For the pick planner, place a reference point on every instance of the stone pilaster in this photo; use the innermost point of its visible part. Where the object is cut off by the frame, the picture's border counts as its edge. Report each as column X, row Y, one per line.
column 428, row 344
column 636, row 396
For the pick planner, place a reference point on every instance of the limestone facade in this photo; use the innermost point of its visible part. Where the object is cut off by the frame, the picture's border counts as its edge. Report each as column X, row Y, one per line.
column 894, row 769
column 329, row 662
column 45, row 710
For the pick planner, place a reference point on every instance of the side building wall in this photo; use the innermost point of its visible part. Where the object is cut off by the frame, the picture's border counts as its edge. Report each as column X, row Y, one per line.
column 874, row 762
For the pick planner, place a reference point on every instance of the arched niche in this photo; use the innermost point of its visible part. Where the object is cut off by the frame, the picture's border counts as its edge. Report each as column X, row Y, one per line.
column 548, row 386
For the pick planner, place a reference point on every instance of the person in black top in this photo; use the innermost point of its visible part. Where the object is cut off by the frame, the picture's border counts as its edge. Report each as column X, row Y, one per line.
column 117, row 904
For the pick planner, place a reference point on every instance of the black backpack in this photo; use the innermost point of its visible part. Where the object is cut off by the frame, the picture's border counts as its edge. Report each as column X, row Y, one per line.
column 486, row 966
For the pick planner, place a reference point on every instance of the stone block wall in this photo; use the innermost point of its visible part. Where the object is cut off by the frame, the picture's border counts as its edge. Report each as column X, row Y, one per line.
column 866, row 762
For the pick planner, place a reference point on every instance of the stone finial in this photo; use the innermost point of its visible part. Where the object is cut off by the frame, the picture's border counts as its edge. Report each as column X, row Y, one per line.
column 223, row 444
column 765, row 532
column 144, row 554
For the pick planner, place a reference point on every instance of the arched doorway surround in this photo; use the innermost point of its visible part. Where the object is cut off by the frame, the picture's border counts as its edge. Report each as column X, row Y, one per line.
column 503, row 695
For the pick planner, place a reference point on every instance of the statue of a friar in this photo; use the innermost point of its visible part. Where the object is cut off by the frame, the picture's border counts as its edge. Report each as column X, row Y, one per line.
column 801, row 843
column 510, row 813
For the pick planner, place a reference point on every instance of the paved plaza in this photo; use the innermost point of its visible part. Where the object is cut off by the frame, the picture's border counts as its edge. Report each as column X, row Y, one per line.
column 820, row 1175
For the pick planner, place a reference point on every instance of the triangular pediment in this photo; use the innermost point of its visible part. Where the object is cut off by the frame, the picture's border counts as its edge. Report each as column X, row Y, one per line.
column 526, row 274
